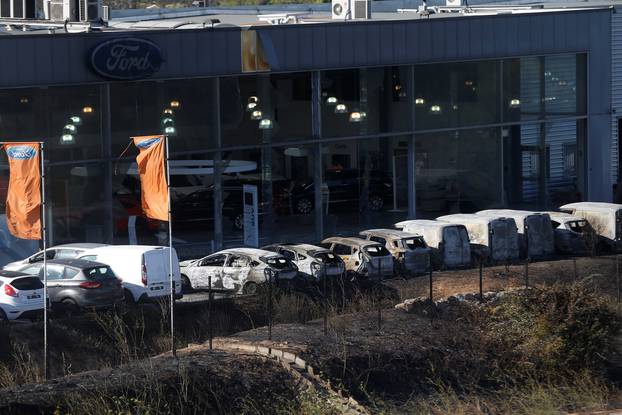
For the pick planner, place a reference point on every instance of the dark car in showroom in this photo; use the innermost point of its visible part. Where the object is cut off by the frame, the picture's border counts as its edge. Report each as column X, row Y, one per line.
column 345, row 188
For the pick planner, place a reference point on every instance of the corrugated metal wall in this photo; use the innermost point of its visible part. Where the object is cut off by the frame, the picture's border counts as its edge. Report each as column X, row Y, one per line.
column 616, row 87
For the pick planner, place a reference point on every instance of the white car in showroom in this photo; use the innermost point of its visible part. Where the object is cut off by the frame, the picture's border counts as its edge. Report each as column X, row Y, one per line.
column 21, row 296
column 67, row 251
column 240, row 270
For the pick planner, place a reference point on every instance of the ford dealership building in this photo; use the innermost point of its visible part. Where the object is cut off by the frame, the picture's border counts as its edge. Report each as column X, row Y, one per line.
column 340, row 124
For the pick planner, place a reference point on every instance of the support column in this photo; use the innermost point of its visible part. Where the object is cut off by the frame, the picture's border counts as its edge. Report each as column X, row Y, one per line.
column 106, row 131
column 266, row 209
column 412, row 168
column 215, row 121
column 316, row 130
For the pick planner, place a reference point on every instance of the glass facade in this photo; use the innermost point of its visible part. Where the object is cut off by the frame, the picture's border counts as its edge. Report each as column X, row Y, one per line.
column 329, row 152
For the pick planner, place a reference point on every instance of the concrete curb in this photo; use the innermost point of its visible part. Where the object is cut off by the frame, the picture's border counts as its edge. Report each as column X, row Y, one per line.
column 300, row 369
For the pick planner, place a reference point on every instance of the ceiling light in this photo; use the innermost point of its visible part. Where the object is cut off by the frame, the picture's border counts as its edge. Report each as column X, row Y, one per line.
column 175, row 104
column 168, row 111
column 514, row 103
column 167, row 120
column 256, row 115
column 251, row 106
column 265, row 124
column 253, row 99
column 23, row 100
column 341, row 109
column 331, row 100
column 419, row 101
column 71, row 128
column 76, row 120
column 468, row 82
column 356, row 117
column 170, row 130
column 435, row 109
column 67, row 139
column 87, row 110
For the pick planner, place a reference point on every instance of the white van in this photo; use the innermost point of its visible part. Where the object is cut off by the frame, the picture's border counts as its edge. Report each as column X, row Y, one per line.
column 143, row 269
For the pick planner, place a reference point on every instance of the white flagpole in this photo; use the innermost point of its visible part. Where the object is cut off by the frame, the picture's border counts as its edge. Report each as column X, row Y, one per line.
column 170, row 251
column 45, row 266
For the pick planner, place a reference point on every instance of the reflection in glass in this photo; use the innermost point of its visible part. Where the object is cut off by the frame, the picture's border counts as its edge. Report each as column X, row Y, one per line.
column 458, row 171
column 456, row 94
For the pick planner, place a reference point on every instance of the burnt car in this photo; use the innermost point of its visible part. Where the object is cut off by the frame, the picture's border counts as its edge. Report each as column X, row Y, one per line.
column 362, row 257
column 605, row 219
column 344, row 188
column 411, row 253
column 240, row 270
column 313, row 261
column 573, row 234
column 449, row 242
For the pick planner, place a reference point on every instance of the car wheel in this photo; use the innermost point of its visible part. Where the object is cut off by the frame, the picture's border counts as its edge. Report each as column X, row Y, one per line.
column 69, row 307
column 129, row 298
column 304, row 206
column 238, row 222
column 186, row 287
column 376, row 203
column 250, row 288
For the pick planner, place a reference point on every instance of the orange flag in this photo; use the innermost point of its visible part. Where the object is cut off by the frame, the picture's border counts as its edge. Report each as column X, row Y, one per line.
column 154, row 191
column 23, row 201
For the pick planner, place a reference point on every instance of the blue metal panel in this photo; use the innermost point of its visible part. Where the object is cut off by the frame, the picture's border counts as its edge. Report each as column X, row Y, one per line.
column 373, row 46
column 332, row 47
column 347, row 42
column 307, row 45
column 463, row 39
column 476, row 38
column 400, row 43
column 451, row 37
column 360, row 46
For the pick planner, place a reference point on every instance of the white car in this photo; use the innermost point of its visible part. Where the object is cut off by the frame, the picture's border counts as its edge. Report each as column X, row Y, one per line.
column 21, row 296
column 240, row 270
column 143, row 269
column 66, row 251
column 310, row 259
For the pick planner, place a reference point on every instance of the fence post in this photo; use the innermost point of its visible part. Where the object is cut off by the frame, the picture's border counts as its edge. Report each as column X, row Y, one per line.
column 527, row 273
column 431, row 295
column 209, row 311
column 618, row 280
column 269, row 272
column 378, row 294
column 481, row 281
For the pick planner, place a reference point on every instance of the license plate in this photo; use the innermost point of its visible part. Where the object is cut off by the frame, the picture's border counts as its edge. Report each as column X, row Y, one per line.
column 33, row 296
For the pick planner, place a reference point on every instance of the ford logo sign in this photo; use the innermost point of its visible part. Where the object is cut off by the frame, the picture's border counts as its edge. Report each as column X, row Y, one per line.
column 21, row 152
column 126, row 58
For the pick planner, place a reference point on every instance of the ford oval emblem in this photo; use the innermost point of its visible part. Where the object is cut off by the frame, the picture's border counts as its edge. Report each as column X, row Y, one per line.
column 126, row 58
column 21, row 152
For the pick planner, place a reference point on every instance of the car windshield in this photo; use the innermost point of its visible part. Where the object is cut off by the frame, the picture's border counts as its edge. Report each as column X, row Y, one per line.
column 99, row 273
column 277, row 262
column 414, row 243
column 327, row 257
column 376, row 251
column 27, row 283
column 578, row 225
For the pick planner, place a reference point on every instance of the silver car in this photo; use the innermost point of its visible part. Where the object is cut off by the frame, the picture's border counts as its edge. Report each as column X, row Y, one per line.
column 312, row 261
column 240, row 270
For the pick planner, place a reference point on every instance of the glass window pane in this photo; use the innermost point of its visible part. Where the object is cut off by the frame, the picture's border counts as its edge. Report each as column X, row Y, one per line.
column 359, row 180
column 458, row 172
column 366, row 101
column 456, row 94
column 265, row 108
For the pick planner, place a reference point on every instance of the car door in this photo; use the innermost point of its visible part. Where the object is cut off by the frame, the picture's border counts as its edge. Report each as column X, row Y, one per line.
column 54, row 280
column 209, row 266
column 345, row 253
column 235, row 272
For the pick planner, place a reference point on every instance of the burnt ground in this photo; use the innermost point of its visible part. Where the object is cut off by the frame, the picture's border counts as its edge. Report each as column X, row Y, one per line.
column 356, row 354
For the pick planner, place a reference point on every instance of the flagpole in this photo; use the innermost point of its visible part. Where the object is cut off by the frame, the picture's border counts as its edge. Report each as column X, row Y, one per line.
column 45, row 266
column 170, row 250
